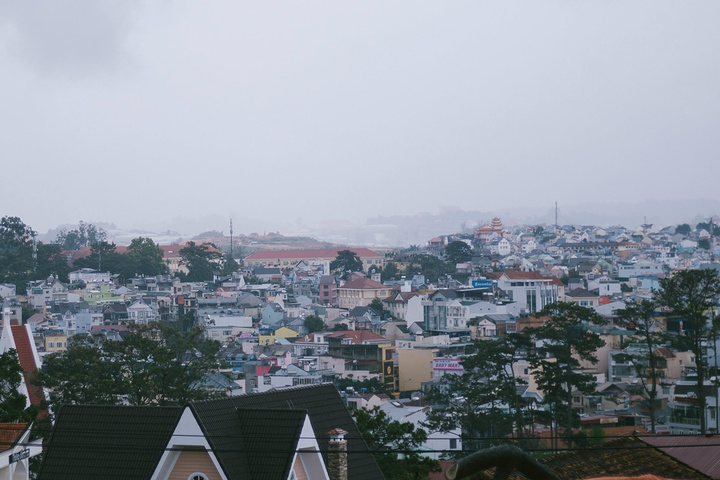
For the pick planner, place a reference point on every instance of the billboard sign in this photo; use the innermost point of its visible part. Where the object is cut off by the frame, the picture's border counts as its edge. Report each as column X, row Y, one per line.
column 447, row 364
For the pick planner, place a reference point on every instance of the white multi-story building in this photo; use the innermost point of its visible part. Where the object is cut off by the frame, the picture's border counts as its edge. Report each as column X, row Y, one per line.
column 531, row 290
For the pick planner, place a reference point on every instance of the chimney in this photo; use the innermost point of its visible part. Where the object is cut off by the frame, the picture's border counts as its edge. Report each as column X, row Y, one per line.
column 337, row 454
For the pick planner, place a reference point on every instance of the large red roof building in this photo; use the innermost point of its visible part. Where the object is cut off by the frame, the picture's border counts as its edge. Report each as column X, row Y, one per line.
column 285, row 259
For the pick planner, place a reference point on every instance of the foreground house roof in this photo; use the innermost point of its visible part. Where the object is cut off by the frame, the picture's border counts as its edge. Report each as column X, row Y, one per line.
column 623, row 457
column 701, row 452
column 251, row 436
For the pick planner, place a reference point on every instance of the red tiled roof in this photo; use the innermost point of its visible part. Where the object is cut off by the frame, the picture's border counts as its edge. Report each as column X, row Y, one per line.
column 534, row 275
column 665, row 352
column 169, row 251
column 357, row 336
column 331, row 253
column 363, row 283
column 701, row 452
column 35, row 318
column 27, row 362
column 10, row 433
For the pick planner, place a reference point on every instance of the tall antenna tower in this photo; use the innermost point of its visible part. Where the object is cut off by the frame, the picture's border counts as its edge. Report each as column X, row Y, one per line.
column 712, row 240
column 556, row 224
column 34, row 254
column 231, row 239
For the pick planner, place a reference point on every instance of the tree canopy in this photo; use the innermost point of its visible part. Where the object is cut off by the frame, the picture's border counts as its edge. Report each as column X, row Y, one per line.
column 104, row 257
column 390, row 271
column 385, row 437
column 430, row 266
column 646, row 362
column 200, row 262
column 158, row 364
column 482, row 401
column 683, row 229
column 689, row 297
column 314, row 324
column 12, row 402
column 345, row 263
column 16, row 252
column 85, row 235
column 146, row 257
column 458, row 252
column 562, row 343
column 51, row 261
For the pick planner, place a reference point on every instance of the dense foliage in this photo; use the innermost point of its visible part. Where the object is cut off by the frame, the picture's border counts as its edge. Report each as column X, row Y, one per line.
column 394, row 445
column 157, row 364
column 345, row 263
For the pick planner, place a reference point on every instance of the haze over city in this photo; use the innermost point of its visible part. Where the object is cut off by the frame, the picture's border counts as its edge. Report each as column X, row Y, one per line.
column 305, row 117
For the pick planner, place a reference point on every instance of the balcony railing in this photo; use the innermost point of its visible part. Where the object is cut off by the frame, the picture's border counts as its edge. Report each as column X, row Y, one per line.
column 685, row 420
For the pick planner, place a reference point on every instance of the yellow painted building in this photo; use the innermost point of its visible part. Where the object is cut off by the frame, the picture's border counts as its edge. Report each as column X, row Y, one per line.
column 282, row 332
column 415, row 365
column 55, row 341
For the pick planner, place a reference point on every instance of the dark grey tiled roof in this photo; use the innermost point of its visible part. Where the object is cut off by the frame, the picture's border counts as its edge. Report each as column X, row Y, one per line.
column 253, row 436
column 109, row 442
column 251, row 443
column 327, row 412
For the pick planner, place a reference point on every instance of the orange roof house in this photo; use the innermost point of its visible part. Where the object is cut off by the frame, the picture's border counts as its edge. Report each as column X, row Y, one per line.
column 19, row 338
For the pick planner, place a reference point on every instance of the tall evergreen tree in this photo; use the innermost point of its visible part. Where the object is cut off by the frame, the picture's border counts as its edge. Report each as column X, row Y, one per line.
column 345, row 263
column 646, row 361
column 689, row 297
column 483, row 400
column 561, row 343
column 12, row 402
column 16, row 252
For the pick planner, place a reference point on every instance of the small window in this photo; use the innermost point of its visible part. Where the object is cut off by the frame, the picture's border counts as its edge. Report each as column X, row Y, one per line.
column 453, row 443
column 197, row 476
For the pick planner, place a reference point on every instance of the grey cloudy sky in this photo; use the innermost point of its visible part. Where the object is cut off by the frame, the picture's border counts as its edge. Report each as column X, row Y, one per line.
column 154, row 113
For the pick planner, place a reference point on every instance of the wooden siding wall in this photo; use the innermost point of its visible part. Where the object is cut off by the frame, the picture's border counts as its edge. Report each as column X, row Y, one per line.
column 299, row 469
column 191, row 461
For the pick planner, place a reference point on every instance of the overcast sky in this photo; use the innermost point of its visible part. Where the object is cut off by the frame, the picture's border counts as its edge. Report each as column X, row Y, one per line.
column 149, row 114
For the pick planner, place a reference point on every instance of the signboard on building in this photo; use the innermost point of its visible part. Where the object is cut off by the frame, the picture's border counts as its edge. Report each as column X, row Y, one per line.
column 21, row 455
column 389, row 374
column 482, row 283
column 447, row 364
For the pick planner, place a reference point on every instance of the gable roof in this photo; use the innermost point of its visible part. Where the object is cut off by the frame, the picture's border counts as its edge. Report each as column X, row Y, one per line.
column 700, row 452
column 10, row 433
column 121, row 442
column 117, row 442
column 358, row 336
column 267, row 438
column 580, row 293
column 327, row 412
column 22, row 341
column 363, row 283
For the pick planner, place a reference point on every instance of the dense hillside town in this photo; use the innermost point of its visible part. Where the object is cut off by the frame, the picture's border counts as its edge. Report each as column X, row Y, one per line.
column 349, row 362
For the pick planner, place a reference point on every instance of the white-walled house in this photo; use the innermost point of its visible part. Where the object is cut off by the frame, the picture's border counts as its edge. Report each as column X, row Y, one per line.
column 140, row 313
